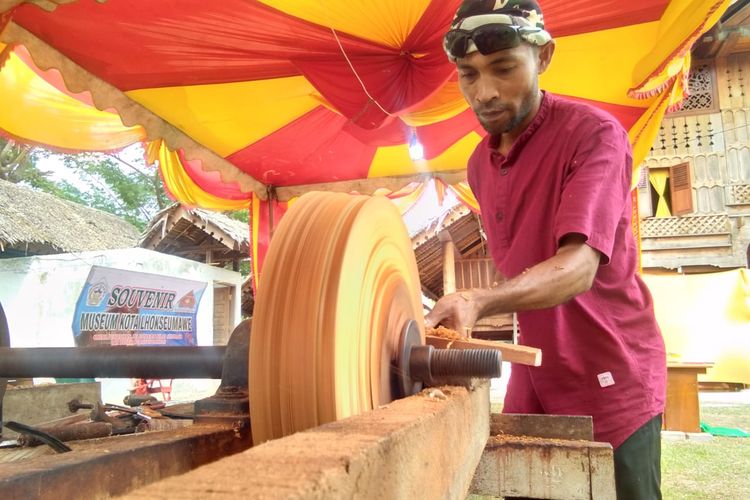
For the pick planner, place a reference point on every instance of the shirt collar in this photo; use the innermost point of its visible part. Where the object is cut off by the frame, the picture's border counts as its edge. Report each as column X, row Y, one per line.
column 522, row 139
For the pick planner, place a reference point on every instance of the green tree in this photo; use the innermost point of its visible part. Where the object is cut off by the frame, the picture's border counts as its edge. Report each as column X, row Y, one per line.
column 118, row 186
column 17, row 166
column 112, row 183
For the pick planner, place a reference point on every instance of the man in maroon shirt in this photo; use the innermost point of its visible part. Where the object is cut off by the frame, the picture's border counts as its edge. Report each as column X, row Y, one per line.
column 553, row 181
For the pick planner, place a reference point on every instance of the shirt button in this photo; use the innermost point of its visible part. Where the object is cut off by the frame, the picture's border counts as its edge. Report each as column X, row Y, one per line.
column 504, row 171
column 499, row 216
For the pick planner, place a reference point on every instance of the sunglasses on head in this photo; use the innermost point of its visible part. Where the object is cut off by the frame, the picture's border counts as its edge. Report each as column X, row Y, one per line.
column 487, row 39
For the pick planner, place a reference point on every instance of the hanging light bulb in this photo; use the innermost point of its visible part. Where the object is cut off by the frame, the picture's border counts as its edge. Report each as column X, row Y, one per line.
column 416, row 150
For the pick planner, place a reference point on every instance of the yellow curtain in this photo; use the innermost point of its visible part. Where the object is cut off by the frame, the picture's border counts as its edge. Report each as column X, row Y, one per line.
column 658, row 178
column 706, row 318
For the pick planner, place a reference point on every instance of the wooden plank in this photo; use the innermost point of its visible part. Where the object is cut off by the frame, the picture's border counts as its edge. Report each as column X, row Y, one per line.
column 515, row 466
column 542, row 426
column 519, row 354
column 108, row 467
column 424, row 446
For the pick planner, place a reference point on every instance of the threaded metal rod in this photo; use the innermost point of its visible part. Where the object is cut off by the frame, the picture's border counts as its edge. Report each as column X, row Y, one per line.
column 426, row 363
column 478, row 363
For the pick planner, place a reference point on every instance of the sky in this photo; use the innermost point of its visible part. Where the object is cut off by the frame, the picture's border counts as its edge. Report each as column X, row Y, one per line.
column 58, row 171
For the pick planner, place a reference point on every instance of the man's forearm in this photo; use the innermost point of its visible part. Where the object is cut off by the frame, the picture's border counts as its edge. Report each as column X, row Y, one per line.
column 556, row 280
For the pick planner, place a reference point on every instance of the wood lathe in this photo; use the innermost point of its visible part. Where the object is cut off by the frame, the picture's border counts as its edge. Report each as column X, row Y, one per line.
column 333, row 392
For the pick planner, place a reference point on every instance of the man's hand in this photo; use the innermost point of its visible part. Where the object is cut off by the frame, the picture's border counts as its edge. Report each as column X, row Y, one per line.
column 457, row 311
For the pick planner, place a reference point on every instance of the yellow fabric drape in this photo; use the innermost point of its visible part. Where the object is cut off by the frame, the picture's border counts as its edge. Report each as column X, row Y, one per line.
column 404, row 198
column 446, row 103
column 38, row 113
column 230, row 116
column 465, row 195
column 181, row 186
column 603, row 74
column 679, row 27
column 387, row 22
column 395, row 160
column 658, row 178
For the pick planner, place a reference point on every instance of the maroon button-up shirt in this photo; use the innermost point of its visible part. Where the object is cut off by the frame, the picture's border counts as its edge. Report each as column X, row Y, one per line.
column 603, row 353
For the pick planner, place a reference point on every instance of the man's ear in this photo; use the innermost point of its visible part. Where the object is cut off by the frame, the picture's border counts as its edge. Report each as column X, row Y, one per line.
column 545, row 56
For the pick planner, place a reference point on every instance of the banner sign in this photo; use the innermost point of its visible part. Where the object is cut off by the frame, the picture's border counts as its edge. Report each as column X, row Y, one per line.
column 119, row 307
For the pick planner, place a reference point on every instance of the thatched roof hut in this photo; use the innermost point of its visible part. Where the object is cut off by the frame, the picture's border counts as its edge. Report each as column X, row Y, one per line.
column 204, row 236
column 196, row 234
column 36, row 223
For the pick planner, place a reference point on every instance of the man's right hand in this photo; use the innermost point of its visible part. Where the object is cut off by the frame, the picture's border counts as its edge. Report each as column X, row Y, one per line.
column 458, row 311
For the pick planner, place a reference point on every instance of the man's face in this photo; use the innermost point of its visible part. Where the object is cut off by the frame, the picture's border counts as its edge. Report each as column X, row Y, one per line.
column 502, row 87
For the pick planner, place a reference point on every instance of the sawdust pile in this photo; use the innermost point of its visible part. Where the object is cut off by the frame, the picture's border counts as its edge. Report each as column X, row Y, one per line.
column 445, row 333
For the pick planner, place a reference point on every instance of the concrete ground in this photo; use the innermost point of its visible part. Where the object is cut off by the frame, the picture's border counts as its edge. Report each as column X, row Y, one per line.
column 722, row 398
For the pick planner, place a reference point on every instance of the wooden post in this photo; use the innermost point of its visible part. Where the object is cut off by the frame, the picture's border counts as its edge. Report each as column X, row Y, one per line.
column 449, row 262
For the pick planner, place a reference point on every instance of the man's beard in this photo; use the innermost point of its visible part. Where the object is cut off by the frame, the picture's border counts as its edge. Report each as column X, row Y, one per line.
column 503, row 128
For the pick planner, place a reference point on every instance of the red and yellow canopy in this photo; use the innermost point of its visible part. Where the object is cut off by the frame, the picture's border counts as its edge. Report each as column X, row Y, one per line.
column 249, row 98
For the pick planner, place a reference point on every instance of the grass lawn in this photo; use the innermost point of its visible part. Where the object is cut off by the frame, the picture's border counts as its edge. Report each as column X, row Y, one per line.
column 717, row 469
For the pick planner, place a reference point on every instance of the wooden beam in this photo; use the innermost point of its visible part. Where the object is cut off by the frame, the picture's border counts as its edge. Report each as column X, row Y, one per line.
column 519, row 354
column 542, row 426
column 370, row 186
column 449, row 262
column 211, row 229
column 424, row 446
column 203, row 248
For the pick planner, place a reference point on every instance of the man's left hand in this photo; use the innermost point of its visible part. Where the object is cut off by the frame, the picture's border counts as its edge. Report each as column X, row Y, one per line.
column 457, row 311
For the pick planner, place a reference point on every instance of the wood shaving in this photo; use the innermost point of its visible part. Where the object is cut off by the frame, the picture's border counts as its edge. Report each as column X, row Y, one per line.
column 436, row 394
column 445, row 333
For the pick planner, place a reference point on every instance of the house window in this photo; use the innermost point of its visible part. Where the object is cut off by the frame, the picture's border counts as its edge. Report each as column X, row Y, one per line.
column 702, row 97
column 671, row 190
column 681, row 189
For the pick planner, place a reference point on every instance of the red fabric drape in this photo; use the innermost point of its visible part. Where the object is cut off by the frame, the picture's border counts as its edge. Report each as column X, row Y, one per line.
column 211, row 181
column 310, row 147
column 581, row 16
column 264, row 218
column 626, row 115
column 185, row 42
